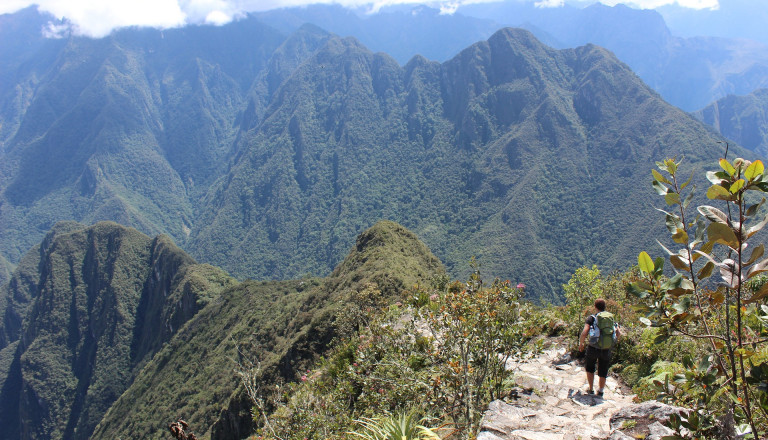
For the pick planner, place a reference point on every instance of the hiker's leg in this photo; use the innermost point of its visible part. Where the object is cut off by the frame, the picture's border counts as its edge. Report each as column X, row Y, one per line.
column 603, row 362
column 601, row 384
column 590, row 360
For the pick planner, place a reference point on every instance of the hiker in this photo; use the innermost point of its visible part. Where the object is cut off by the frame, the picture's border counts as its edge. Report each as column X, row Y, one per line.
column 600, row 345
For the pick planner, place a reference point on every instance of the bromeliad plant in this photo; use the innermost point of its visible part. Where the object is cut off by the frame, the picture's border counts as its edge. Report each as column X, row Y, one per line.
column 397, row 427
column 729, row 316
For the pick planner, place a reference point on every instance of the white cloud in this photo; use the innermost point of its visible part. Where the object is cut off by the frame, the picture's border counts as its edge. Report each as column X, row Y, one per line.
column 218, row 18
column 549, row 3
column 97, row 18
column 57, row 30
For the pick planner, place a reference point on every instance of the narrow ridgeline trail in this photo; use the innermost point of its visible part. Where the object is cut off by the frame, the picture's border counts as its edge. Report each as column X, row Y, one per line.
column 550, row 402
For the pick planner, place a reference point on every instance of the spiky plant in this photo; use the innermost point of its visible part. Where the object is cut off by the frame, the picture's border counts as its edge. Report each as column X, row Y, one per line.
column 396, row 427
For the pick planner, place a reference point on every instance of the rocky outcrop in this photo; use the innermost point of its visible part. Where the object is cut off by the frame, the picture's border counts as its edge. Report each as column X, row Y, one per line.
column 550, row 403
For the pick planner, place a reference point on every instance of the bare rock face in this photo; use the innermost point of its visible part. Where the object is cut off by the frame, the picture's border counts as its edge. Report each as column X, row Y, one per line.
column 645, row 418
column 550, row 403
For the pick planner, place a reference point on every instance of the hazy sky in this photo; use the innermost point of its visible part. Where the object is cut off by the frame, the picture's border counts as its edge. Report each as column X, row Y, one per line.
column 98, row 17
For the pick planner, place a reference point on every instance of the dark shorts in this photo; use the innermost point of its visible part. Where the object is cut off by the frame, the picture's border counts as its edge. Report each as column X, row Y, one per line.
column 600, row 357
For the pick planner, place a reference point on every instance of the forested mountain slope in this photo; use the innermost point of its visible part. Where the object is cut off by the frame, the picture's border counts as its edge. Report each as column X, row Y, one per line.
column 267, row 154
column 519, row 154
column 283, row 326
column 743, row 119
column 83, row 313
column 130, row 128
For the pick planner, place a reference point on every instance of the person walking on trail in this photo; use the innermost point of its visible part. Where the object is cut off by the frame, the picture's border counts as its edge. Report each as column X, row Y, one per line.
column 602, row 332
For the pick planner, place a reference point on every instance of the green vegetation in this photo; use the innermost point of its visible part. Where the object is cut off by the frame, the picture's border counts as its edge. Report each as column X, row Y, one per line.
column 500, row 153
column 402, row 427
column 268, row 331
column 729, row 318
column 266, row 155
column 496, row 154
column 743, row 119
column 438, row 353
column 386, row 340
column 97, row 304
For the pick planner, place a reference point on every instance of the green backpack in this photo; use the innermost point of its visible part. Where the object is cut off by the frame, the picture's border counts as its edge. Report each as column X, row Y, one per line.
column 602, row 333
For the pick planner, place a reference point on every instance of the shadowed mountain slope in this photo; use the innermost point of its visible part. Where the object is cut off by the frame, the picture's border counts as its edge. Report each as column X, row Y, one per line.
column 130, row 128
column 743, row 119
column 82, row 314
column 519, row 154
column 283, row 325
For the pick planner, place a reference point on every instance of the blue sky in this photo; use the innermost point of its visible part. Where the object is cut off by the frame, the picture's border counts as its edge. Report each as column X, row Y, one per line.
column 97, row 18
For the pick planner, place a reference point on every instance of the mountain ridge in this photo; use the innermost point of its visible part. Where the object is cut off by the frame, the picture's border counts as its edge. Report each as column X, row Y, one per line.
column 281, row 326
column 481, row 127
column 105, row 299
column 318, row 137
column 743, row 119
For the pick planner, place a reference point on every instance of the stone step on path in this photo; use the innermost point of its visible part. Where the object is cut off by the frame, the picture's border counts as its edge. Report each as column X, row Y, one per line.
column 549, row 402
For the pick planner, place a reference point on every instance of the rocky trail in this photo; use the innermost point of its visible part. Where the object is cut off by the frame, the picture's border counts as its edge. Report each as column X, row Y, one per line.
column 550, row 402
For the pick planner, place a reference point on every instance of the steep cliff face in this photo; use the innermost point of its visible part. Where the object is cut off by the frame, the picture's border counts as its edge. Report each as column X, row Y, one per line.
column 103, row 300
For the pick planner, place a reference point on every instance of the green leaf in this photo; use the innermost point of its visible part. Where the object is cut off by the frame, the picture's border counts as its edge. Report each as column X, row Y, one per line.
column 706, row 270
column 645, row 262
column 671, row 166
column 762, row 186
column 680, row 236
column 717, row 192
column 700, row 230
column 757, row 252
column 678, row 263
column 722, row 234
column 688, row 199
column 673, row 283
column 645, row 321
column 754, row 170
column 760, row 294
column 682, row 187
column 637, row 289
column 752, row 210
column 727, row 167
column 758, row 269
column 657, row 175
column 737, row 186
column 672, row 198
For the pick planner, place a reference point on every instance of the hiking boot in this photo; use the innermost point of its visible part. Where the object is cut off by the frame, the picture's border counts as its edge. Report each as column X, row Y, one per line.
column 590, row 391
column 600, row 393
